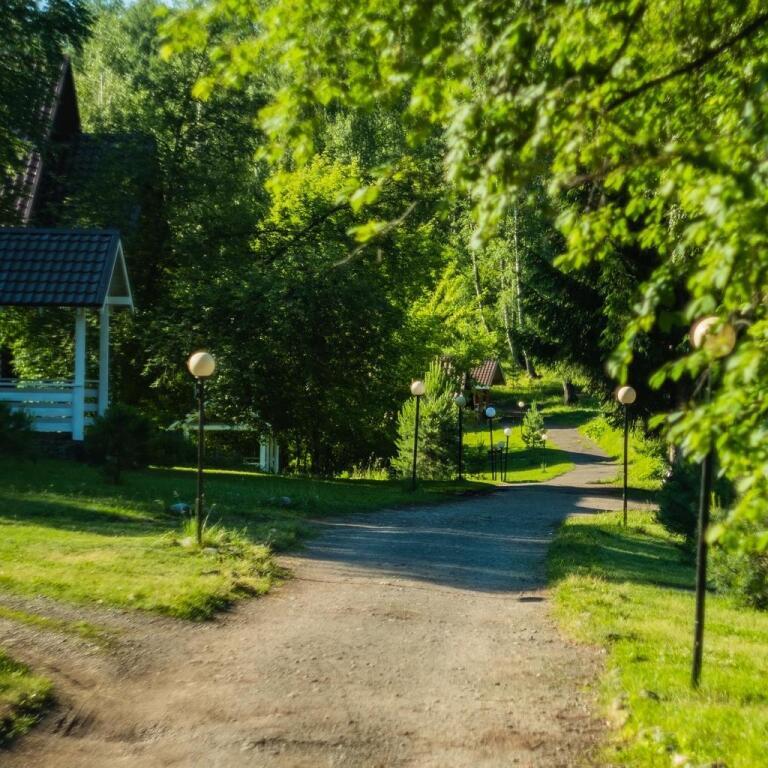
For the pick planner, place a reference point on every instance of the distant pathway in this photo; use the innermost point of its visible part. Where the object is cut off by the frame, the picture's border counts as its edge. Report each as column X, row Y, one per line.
column 416, row 637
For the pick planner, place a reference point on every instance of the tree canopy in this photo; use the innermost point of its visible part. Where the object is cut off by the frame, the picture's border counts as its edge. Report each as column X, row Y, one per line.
column 645, row 120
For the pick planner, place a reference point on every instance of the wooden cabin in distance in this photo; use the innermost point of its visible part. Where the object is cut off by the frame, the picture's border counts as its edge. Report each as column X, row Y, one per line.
column 482, row 379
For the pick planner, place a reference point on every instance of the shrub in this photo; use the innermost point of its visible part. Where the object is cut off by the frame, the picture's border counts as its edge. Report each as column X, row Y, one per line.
column 168, row 449
column 118, row 440
column 16, row 435
column 438, row 436
column 533, row 427
column 679, row 498
column 744, row 575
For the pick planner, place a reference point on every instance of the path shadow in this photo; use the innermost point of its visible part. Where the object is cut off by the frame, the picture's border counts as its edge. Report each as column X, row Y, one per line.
column 494, row 544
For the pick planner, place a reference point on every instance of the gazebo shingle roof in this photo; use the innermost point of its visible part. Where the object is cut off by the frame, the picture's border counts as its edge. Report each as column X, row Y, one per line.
column 56, row 267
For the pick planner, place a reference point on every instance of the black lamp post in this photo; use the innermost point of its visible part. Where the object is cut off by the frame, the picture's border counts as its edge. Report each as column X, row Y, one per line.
column 460, row 401
column 718, row 339
column 201, row 365
column 626, row 396
column 507, row 435
column 521, row 406
column 490, row 412
column 417, row 390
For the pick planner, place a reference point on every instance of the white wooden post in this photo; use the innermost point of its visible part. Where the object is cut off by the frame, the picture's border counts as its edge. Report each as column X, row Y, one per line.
column 78, row 390
column 103, row 359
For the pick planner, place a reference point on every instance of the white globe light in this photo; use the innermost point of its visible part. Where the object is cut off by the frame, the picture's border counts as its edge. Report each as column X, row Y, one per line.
column 460, row 400
column 490, row 411
column 507, row 431
column 417, row 388
column 718, row 342
column 544, row 436
column 201, row 364
column 626, row 395
column 520, row 404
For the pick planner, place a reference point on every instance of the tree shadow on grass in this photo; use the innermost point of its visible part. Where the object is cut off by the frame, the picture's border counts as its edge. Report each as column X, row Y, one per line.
column 76, row 515
column 619, row 555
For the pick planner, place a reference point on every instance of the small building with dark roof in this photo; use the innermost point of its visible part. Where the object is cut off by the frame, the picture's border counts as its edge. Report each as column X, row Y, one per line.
column 65, row 179
column 82, row 269
column 482, row 378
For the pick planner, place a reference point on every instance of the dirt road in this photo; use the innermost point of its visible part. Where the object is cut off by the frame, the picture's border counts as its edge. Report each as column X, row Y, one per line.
column 407, row 638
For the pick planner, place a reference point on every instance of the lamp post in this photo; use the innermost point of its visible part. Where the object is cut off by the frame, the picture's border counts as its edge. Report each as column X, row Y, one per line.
column 490, row 412
column 626, row 396
column 202, row 366
column 460, row 401
column 718, row 339
column 521, row 406
column 417, row 390
column 544, row 437
column 507, row 434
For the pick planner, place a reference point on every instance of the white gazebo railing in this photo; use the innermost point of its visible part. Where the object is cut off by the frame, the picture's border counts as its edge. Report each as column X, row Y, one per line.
column 54, row 406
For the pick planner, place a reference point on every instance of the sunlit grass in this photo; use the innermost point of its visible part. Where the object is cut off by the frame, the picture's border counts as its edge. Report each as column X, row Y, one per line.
column 630, row 591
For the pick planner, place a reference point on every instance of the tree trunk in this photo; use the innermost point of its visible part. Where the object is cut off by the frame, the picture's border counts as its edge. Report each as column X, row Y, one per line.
column 529, row 367
column 508, row 322
column 478, row 290
column 569, row 392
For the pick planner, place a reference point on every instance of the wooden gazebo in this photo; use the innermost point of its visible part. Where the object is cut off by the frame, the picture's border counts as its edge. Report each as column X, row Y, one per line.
column 482, row 378
column 79, row 268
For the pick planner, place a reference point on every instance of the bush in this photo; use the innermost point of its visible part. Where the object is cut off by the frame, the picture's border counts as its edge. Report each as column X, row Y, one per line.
column 118, row 440
column 533, row 427
column 16, row 435
column 679, row 498
column 744, row 575
column 438, row 435
column 169, row 449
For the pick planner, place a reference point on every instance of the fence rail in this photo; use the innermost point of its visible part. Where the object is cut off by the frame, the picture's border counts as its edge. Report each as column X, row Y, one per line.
column 48, row 402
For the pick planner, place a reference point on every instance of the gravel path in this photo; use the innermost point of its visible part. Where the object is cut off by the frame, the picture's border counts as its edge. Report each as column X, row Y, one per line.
column 414, row 637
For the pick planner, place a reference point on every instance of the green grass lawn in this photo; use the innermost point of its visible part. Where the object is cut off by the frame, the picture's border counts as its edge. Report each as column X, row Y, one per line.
column 66, row 534
column 630, row 591
column 524, row 465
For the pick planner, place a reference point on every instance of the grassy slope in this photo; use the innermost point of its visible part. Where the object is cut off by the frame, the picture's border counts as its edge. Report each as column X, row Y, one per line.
column 630, row 591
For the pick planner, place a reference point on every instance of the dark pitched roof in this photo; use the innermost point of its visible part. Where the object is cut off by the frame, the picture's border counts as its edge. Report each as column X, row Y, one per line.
column 60, row 267
column 487, row 374
column 60, row 120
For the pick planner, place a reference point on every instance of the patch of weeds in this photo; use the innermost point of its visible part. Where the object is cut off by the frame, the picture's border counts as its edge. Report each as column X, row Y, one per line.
column 23, row 698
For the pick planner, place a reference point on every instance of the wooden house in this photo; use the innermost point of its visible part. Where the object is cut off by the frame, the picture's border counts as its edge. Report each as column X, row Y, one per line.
column 45, row 265
column 482, row 379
